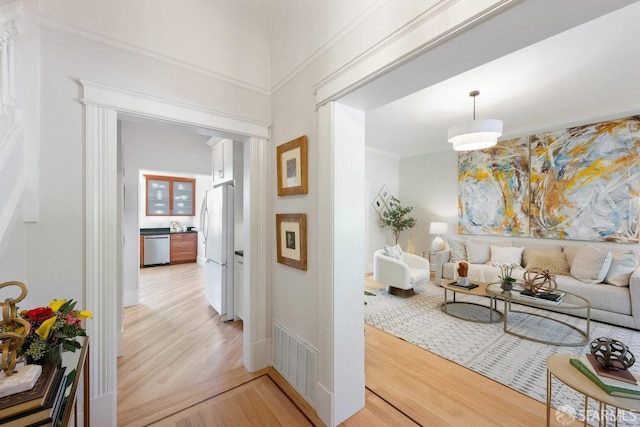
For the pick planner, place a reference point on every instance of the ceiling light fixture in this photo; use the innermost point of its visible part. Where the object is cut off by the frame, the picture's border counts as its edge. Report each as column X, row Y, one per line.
column 476, row 134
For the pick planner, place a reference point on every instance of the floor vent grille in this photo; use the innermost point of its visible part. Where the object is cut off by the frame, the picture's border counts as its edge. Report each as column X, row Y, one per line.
column 295, row 360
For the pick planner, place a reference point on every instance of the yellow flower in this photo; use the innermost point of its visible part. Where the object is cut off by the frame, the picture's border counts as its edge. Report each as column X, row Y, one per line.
column 56, row 304
column 45, row 328
column 84, row 314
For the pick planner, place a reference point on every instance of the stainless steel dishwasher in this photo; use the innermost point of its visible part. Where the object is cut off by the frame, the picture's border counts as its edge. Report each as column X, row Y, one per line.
column 156, row 249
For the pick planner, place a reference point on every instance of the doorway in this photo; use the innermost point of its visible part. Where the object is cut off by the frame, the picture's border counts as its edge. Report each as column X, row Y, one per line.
column 104, row 242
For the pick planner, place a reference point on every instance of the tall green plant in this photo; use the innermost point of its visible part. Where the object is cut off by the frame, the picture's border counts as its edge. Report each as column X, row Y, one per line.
column 395, row 217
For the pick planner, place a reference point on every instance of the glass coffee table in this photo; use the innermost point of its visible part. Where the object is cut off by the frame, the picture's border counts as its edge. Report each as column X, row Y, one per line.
column 570, row 302
column 466, row 310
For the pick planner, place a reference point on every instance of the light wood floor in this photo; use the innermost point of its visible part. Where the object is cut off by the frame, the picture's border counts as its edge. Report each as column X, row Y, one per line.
column 183, row 367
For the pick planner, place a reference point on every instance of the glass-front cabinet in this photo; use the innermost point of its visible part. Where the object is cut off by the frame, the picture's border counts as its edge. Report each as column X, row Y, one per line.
column 170, row 196
column 182, row 196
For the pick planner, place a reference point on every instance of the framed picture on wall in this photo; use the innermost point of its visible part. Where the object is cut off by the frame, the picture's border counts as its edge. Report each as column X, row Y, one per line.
column 378, row 204
column 385, row 193
column 291, row 240
column 292, row 167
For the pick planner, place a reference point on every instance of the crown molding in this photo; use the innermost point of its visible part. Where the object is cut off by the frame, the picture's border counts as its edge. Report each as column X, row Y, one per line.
column 325, row 47
column 435, row 24
column 9, row 12
column 51, row 23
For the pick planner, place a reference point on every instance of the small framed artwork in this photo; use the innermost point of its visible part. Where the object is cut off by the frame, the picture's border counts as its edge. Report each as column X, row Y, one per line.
column 292, row 167
column 378, row 204
column 291, row 240
column 385, row 193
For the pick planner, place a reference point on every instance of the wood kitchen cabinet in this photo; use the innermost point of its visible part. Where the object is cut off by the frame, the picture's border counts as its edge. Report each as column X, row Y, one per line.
column 170, row 196
column 184, row 248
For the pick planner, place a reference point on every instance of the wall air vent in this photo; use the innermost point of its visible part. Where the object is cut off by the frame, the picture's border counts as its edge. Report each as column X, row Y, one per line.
column 295, row 360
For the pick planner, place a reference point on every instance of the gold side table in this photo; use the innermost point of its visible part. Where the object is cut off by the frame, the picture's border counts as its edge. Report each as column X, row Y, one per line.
column 558, row 367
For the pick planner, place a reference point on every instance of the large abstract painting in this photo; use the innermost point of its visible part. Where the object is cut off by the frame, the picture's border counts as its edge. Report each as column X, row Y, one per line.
column 493, row 189
column 585, row 182
column 579, row 183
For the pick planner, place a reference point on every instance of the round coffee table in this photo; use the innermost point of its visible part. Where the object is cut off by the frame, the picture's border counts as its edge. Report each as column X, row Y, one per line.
column 493, row 315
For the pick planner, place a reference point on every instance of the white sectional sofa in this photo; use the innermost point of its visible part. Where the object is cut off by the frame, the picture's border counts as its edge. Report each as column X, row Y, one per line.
column 607, row 275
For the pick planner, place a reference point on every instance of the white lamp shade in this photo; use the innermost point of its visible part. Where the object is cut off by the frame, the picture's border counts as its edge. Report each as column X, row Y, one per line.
column 438, row 228
column 475, row 135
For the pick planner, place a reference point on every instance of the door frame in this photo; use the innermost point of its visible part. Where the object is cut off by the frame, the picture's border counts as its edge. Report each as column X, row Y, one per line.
column 103, row 104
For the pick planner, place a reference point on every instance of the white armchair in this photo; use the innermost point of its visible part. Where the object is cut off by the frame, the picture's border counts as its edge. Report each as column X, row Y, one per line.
column 400, row 276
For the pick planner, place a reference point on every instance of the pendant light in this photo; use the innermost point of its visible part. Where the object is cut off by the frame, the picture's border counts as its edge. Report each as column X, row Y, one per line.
column 476, row 134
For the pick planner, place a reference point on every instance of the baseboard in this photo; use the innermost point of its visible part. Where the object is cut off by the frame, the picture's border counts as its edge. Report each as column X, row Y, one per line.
column 104, row 410
column 324, row 407
column 259, row 356
column 130, row 298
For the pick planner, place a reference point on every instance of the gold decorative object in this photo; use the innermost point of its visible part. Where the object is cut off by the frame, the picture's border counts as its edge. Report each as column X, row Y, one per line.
column 540, row 280
column 10, row 339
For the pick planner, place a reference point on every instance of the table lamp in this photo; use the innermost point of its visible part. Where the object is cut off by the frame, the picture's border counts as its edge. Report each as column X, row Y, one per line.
column 438, row 228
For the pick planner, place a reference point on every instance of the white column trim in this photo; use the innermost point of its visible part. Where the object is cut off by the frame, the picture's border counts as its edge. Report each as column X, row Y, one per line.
column 432, row 26
column 325, row 385
column 101, row 258
column 256, row 334
column 103, row 104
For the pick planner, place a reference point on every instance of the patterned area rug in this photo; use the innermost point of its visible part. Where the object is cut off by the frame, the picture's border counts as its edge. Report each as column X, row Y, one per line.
column 485, row 348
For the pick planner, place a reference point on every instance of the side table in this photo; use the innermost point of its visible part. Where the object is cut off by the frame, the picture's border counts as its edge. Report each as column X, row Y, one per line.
column 558, row 366
column 431, row 256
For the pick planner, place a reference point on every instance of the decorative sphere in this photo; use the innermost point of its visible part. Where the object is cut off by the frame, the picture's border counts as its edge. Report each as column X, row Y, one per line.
column 612, row 354
column 540, row 280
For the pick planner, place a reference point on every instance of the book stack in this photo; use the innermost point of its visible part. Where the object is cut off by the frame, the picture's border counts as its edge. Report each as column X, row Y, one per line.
column 37, row 406
column 467, row 285
column 552, row 297
column 622, row 383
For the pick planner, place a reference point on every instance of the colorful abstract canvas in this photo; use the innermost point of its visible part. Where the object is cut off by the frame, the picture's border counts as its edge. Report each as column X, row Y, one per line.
column 585, row 182
column 493, row 190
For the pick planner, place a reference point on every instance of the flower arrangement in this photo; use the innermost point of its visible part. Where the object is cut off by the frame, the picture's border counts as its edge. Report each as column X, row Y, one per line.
column 56, row 325
column 505, row 277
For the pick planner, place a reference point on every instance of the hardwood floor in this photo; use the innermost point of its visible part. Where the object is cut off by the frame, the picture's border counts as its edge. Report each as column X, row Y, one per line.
column 183, row 367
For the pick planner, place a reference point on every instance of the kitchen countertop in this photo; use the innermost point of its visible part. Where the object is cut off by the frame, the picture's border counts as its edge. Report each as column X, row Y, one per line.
column 163, row 230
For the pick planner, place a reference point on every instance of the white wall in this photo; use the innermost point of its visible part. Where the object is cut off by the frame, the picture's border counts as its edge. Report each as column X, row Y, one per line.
column 429, row 183
column 159, row 149
column 220, row 37
column 381, row 168
column 55, row 244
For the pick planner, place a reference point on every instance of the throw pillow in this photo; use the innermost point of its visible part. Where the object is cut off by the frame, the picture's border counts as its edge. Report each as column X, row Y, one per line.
column 553, row 261
column 478, row 252
column 623, row 264
column 505, row 255
column 393, row 251
column 458, row 250
column 591, row 264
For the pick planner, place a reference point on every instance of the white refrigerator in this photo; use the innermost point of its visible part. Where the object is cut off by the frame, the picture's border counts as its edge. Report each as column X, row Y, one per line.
column 217, row 227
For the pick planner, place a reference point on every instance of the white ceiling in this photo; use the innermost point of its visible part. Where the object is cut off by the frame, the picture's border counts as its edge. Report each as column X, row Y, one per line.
column 590, row 72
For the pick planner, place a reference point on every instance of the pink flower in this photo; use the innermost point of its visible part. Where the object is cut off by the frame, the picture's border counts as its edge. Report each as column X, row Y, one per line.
column 70, row 320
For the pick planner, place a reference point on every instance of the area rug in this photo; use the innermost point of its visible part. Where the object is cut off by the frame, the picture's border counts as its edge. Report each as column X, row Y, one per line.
column 485, row 348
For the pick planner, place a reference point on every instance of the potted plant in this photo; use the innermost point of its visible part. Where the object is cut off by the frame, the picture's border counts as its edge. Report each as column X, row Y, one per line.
column 506, row 281
column 396, row 217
